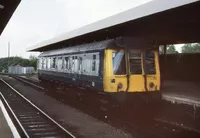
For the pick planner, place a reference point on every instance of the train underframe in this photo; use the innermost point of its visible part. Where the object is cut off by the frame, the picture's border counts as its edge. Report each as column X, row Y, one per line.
column 116, row 99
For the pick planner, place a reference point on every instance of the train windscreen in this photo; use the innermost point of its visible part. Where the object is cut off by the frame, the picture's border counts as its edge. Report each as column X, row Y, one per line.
column 135, row 62
column 119, row 63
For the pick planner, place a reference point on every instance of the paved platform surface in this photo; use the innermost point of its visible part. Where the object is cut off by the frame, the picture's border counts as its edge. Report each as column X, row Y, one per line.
column 185, row 92
column 5, row 131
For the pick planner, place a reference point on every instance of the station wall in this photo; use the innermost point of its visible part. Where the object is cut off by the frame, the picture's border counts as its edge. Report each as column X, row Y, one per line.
column 180, row 67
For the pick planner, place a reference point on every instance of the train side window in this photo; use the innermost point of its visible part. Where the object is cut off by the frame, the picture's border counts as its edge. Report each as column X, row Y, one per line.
column 66, row 63
column 135, row 62
column 70, row 63
column 43, row 63
column 53, row 62
column 94, row 63
column 80, row 63
column 60, row 63
column 40, row 63
column 47, row 63
column 119, row 63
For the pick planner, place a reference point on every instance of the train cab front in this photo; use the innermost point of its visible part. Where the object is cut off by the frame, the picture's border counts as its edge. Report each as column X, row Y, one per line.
column 132, row 75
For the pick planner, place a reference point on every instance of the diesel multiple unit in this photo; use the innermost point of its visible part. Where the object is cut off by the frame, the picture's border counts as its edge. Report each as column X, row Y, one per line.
column 108, row 66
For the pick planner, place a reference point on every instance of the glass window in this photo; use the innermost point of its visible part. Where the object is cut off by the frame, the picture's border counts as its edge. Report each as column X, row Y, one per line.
column 47, row 63
column 80, row 63
column 135, row 62
column 66, row 63
column 119, row 63
column 40, row 63
column 60, row 63
column 94, row 63
column 149, row 65
column 70, row 63
column 43, row 63
column 53, row 62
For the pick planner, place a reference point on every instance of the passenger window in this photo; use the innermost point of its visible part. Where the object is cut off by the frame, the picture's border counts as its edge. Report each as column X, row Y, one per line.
column 70, row 63
column 60, row 63
column 43, row 63
column 53, row 62
column 94, row 63
column 119, row 63
column 80, row 63
column 47, row 63
column 66, row 63
column 135, row 62
column 149, row 65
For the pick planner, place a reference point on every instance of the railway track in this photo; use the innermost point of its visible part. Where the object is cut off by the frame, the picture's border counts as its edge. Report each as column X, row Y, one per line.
column 31, row 121
column 158, row 129
column 28, row 81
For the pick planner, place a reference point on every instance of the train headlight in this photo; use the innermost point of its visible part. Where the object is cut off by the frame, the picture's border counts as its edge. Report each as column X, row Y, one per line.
column 151, row 84
column 120, row 85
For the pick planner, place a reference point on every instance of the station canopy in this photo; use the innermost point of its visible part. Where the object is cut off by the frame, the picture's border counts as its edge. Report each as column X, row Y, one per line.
column 7, row 8
column 161, row 21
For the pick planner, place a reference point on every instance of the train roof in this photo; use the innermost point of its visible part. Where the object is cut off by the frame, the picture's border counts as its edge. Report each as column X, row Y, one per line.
column 80, row 48
column 7, row 8
column 162, row 20
column 119, row 42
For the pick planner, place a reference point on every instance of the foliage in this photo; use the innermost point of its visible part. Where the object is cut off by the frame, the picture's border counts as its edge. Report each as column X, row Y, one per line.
column 170, row 49
column 191, row 48
column 5, row 62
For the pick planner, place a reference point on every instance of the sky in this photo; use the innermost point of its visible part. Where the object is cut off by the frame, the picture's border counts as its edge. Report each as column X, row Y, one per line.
column 38, row 20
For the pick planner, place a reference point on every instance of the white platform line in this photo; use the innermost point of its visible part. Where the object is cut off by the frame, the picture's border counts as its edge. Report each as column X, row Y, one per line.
column 180, row 100
column 9, row 121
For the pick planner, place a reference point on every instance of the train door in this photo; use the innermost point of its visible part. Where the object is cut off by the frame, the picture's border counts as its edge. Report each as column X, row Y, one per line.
column 136, row 82
column 144, row 71
column 151, row 71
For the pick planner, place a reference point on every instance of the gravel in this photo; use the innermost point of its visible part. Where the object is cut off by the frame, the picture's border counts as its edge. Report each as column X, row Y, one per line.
column 77, row 122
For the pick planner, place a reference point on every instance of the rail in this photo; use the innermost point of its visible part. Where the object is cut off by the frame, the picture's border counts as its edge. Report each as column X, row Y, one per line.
column 32, row 121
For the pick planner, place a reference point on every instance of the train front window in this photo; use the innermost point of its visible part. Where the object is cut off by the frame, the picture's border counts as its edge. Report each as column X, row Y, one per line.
column 135, row 62
column 149, row 62
column 119, row 63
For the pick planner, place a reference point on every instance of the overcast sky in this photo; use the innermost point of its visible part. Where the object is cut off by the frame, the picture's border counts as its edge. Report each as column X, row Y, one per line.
column 37, row 20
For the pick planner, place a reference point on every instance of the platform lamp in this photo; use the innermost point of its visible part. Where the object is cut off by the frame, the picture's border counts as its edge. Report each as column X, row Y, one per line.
column 8, row 53
column 1, row 6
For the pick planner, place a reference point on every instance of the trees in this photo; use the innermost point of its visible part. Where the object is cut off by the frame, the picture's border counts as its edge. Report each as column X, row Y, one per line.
column 170, row 49
column 191, row 48
column 33, row 61
column 5, row 62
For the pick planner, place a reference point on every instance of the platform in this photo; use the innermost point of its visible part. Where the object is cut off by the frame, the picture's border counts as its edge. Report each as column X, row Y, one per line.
column 183, row 92
column 7, row 128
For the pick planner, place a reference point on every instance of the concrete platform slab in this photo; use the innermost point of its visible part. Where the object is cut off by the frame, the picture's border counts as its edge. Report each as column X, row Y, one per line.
column 7, row 128
column 184, row 92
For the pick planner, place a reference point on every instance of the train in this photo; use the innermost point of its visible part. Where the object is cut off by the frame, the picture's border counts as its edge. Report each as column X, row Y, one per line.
column 114, row 67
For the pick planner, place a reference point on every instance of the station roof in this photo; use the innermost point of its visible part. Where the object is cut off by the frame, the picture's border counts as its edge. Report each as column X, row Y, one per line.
column 7, row 8
column 163, row 21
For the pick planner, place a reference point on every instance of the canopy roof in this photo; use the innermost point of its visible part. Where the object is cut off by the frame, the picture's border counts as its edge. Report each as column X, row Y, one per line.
column 162, row 21
column 7, row 8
